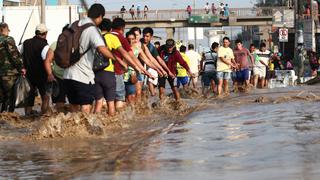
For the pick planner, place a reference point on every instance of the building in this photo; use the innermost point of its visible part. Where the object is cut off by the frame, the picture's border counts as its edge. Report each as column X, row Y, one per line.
column 31, row 2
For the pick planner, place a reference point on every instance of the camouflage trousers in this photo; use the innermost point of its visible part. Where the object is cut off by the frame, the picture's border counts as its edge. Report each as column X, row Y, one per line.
column 7, row 93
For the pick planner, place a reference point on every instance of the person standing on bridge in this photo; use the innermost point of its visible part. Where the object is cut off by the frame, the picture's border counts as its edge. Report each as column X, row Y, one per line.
column 138, row 11
column 213, row 9
column 226, row 10
column 145, row 12
column 221, row 9
column 189, row 10
column 207, row 8
column 122, row 11
column 131, row 11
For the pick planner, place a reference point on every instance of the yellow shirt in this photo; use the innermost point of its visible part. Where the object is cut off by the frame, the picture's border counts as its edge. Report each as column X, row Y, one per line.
column 113, row 43
column 182, row 72
column 271, row 66
column 227, row 54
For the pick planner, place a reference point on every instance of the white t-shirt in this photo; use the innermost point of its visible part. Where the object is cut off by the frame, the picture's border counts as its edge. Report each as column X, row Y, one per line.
column 264, row 56
column 195, row 59
column 82, row 70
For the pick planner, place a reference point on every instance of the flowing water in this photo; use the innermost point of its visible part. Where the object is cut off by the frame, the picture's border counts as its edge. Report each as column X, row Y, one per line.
column 268, row 134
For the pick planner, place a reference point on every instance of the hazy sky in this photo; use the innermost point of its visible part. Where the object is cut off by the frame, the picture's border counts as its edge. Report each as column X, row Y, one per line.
column 166, row 4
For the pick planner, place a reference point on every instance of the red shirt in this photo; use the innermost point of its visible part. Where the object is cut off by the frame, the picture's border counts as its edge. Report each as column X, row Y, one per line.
column 172, row 59
column 125, row 44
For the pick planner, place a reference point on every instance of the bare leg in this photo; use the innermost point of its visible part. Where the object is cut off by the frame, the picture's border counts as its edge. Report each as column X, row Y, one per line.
column 98, row 106
column 151, row 89
column 161, row 92
column 220, row 87
column 131, row 99
column 60, row 106
column 86, row 108
column 176, row 93
column 74, row 108
column 45, row 104
column 225, row 86
column 111, row 108
column 255, row 81
column 120, row 105
column 139, row 90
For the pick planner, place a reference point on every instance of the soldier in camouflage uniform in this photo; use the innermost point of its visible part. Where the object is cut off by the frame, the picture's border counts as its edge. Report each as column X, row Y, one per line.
column 11, row 65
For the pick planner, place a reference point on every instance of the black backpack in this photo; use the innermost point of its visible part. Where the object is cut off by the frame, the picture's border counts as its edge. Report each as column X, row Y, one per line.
column 100, row 62
column 67, row 52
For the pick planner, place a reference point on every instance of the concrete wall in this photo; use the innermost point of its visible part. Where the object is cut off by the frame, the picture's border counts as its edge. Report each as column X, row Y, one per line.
column 56, row 18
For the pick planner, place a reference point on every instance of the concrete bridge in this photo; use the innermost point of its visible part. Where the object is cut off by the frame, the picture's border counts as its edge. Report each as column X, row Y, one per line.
column 177, row 18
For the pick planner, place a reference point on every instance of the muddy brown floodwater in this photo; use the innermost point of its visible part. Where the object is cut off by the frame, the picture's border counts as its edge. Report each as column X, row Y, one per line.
column 264, row 134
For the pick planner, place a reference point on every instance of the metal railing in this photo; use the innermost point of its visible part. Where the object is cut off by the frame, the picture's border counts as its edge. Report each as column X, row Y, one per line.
column 181, row 14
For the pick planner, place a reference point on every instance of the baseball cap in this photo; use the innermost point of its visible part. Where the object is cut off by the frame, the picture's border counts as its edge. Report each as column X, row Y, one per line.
column 42, row 28
column 170, row 43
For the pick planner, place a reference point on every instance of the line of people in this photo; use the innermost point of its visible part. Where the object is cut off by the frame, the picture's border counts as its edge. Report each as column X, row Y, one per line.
column 133, row 61
column 246, row 67
column 135, row 13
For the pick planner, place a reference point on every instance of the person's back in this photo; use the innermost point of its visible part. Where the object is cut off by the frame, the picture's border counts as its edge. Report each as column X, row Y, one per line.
column 79, row 78
column 32, row 49
column 210, row 61
column 181, row 71
column 82, row 71
column 10, row 67
column 10, row 59
column 123, row 10
column 195, row 59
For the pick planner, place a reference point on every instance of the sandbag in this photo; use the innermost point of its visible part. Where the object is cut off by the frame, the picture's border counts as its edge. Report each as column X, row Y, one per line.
column 21, row 91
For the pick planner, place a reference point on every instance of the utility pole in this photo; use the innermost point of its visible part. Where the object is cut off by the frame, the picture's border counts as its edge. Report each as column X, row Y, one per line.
column 195, row 29
column 43, row 12
column 2, row 9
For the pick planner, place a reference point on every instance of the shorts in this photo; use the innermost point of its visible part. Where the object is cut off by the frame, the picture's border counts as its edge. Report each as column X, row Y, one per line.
column 61, row 98
column 130, row 88
column 260, row 72
column 105, row 85
column 234, row 75
column 155, row 74
column 120, row 88
column 242, row 75
column 79, row 93
column 162, row 82
column 140, row 77
column 271, row 74
column 182, row 80
column 207, row 77
column 223, row 75
column 36, row 86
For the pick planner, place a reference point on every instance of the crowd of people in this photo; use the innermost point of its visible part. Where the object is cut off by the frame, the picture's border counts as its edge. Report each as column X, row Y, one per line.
column 135, row 67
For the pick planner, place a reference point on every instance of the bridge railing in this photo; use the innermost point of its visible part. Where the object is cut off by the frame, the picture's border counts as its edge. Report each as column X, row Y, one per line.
column 181, row 14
